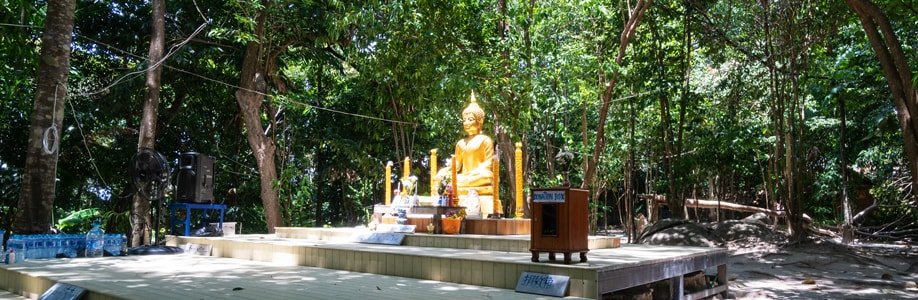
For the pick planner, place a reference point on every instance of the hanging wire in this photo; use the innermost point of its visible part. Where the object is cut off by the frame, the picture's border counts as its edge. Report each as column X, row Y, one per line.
column 48, row 146
column 172, row 50
column 249, row 90
column 92, row 160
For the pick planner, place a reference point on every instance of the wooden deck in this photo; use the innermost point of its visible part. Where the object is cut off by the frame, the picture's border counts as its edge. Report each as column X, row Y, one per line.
column 304, row 261
column 158, row 277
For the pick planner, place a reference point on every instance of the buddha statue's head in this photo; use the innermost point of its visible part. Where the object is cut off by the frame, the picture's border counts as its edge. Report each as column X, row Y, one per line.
column 472, row 117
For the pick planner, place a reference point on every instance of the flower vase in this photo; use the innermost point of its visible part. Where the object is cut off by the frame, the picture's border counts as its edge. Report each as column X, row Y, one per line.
column 451, row 226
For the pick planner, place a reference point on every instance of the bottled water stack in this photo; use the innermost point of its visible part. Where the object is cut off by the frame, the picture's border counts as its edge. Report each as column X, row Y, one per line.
column 95, row 241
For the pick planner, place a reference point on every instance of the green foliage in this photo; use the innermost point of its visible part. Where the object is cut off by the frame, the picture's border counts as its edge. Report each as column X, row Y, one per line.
column 402, row 71
column 78, row 221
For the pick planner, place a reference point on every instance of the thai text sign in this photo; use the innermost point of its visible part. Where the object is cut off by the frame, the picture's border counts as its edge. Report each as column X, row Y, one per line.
column 542, row 284
column 63, row 291
column 385, row 238
column 548, row 196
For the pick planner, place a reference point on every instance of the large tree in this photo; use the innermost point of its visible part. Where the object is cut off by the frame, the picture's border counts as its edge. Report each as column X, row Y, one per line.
column 249, row 96
column 140, row 217
column 38, row 182
column 883, row 39
column 609, row 81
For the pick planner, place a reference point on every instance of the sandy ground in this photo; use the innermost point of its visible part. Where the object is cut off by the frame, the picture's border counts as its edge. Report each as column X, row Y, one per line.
column 822, row 269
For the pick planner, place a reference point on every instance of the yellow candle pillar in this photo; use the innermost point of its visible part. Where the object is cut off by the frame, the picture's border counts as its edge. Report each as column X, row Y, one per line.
column 454, row 182
column 407, row 168
column 433, row 174
column 388, row 183
column 519, row 180
column 495, row 182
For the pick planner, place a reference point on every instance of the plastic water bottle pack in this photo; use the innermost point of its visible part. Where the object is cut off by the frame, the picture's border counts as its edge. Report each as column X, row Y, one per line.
column 44, row 246
column 95, row 241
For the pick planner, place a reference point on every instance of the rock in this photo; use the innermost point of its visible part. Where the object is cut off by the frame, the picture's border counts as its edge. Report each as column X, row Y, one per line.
column 694, row 282
column 911, row 285
column 733, row 230
column 757, row 218
column 657, row 227
column 641, row 292
column 886, row 276
column 684, row 234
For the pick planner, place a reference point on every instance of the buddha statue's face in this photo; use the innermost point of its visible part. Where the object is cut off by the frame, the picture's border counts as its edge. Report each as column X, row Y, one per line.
column 472, row 118
column 470, row 124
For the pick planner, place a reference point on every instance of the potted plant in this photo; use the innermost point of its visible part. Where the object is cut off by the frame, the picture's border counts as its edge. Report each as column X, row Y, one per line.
column 452, row 223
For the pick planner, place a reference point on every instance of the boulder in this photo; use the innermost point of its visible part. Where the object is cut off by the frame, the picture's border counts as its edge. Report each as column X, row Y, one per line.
column 733, row 230
column 757, row 218
column 685, row 234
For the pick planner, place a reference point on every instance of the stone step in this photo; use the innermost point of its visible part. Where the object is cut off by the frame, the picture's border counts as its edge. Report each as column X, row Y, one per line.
column 508, row 243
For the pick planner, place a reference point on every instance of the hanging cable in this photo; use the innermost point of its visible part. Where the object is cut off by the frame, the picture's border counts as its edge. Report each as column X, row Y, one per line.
column 248, row 90
column 86, row 144
column 51, row 137
column 172, row 50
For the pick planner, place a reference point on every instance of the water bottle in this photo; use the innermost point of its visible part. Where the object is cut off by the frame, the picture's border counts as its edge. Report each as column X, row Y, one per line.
column 16, row 248
column 95, row 241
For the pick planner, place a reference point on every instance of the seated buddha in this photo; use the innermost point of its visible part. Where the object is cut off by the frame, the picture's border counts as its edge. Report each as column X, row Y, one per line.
column 474, row 155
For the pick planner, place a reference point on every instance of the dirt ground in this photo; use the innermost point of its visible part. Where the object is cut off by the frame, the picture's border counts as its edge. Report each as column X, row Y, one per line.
column 763, row 265
column 822, row 269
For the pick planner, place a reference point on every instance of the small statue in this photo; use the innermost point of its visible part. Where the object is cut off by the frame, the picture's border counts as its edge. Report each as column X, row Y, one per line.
column 564, row 160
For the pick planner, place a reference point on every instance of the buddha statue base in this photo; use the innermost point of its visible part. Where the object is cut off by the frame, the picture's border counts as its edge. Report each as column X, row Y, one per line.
column 485, row 205
column 482, row 190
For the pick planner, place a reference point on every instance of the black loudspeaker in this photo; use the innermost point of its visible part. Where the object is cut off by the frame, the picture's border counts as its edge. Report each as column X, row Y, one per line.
column 195, row 182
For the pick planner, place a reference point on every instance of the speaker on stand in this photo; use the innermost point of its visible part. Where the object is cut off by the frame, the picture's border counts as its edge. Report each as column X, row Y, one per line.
column 195, row 179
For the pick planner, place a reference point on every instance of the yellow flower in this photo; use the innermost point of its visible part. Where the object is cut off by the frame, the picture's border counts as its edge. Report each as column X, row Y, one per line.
column 455, row 214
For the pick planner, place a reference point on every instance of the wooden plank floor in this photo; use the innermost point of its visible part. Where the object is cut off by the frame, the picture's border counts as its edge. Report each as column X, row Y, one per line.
column 459, row 259
column 196, row 277
column 331, row 266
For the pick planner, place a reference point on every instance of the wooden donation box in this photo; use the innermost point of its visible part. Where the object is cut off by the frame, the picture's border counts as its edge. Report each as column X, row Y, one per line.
column 559, row 223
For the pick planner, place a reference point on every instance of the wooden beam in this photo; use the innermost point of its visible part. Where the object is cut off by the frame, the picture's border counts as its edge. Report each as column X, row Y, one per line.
column 714, row 204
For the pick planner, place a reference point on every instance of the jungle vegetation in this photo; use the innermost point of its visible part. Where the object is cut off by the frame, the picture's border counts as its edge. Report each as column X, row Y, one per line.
column 804, row 107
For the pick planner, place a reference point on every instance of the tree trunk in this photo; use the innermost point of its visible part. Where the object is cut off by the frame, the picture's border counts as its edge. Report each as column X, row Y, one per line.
column 249, row 97
column 140, row 217
column 634, row 19
column 684, row 99
column 505, row 141
column 676, row 208
column 847, row 229
column 631, row 193
column 36, row 200
column 898, row 75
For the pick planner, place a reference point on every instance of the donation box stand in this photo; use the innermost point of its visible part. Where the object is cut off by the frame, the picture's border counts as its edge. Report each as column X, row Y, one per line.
column 559, row 223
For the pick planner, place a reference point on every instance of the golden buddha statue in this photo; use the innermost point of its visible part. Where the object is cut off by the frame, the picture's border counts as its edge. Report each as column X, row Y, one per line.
column 473, row 156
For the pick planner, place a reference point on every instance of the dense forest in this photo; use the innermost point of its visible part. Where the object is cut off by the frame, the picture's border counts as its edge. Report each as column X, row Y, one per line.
column 800, row 107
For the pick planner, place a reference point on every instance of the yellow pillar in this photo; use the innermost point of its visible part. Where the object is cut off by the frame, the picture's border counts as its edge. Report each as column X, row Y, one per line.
column 433, row 174
column 407, row 168
column 519, row 180
column 388, row 183
column 454, row 183
column 495, row 171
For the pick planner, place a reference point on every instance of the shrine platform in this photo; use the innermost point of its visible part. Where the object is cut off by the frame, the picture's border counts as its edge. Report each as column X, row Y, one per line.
column 421, row 216
column 316, row 263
